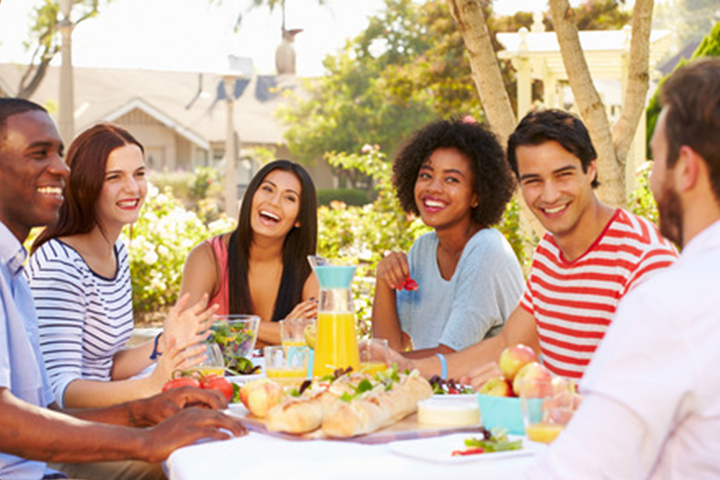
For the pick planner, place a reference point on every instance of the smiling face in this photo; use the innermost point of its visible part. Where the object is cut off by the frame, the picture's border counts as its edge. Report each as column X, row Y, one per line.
column 555, row 187
column 123, row 190
column 32, row 172
column 276, row 204
column 444, row 189
column 670, row 216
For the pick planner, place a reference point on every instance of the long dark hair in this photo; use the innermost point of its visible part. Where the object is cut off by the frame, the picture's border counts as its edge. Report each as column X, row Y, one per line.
column 87, row 158
column 300, row 242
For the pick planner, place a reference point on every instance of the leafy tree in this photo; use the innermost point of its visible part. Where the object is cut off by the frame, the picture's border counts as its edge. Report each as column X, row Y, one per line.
column 45, row 39
column 350, row 105
column 709, row 47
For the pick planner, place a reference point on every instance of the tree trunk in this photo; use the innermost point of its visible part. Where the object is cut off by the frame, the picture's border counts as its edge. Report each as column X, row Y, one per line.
column 489, row 83
column 590, row 105
column 486, row 71
column 638, row 79
column 612, row 146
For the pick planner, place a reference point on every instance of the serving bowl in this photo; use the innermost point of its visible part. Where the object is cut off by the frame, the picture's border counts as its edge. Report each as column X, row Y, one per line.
column 504, row 412
column 236, row 335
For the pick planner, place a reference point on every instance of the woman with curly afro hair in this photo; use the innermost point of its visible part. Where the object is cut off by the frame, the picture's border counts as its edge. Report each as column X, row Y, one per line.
column 458, row 283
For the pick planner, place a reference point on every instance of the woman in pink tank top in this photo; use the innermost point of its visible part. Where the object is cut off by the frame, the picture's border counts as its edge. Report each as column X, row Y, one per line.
column 261, row 267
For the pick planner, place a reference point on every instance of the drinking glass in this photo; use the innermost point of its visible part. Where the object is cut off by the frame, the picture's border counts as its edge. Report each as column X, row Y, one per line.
column 547, row 406
column 374, row 353
column 288, row 366
column 213, row 363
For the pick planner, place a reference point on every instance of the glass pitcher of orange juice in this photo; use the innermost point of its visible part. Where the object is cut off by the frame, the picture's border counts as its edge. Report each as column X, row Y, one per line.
column 336, row 338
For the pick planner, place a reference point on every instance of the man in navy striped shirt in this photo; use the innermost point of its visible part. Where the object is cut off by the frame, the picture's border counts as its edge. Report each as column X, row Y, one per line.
column 34, row 430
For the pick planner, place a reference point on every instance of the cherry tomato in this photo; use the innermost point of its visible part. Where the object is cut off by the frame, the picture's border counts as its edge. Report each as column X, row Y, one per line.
column 181, row 382
column 468, row 451
column 215, row 382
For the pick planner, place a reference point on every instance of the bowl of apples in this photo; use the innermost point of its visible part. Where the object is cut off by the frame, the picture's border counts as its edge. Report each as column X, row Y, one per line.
column 498, row 398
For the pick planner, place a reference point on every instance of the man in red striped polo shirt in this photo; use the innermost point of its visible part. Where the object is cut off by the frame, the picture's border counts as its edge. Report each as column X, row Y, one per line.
column 592, row 255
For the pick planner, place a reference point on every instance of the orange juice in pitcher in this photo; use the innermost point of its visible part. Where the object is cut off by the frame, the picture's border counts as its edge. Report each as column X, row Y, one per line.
column 336, row 339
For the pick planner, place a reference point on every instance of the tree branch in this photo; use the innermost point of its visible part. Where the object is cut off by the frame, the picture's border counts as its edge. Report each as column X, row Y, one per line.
column 486, row 72
column 638, row 78
column 589, row 103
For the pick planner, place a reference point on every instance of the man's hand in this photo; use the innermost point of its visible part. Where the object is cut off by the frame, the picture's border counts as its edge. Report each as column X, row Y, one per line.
column 153, row 410
column 478, row 376
column 187, row 427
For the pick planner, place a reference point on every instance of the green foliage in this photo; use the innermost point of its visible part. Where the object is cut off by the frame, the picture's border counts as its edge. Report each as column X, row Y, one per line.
column 709, row 47
column 44, row 39
column 158, row 244
column 641, row 201
column 349, row 196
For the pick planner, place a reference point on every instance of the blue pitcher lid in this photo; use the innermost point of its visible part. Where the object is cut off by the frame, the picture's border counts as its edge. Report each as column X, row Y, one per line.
column 335, row 276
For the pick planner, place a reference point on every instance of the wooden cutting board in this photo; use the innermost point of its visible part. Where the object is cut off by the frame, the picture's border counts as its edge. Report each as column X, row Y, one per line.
column 406, row 429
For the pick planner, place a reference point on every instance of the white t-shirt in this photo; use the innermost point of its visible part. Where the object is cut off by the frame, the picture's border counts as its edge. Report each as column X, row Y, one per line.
column 651, row 405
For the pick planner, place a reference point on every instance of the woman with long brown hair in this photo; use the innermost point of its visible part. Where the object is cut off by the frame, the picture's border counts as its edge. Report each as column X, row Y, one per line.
column 80, row 278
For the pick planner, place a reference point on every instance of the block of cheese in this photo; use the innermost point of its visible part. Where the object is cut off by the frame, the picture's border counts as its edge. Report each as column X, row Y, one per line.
column 455, row 412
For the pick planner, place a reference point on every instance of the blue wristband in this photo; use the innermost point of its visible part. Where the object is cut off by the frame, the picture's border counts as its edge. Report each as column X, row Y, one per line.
column 443, row 365
column 155, row 354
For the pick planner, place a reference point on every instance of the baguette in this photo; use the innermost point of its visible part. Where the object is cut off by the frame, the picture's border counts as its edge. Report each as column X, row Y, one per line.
column 375, row 409
column 305, row 413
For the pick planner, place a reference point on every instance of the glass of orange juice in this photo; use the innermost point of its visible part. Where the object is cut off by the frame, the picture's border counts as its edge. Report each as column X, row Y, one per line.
column 213, row 362
column 288, row 366
column 374, row 353
column 292, row 331
column 547, row 407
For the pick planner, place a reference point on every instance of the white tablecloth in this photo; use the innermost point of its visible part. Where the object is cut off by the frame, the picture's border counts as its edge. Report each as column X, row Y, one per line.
column 258, row 456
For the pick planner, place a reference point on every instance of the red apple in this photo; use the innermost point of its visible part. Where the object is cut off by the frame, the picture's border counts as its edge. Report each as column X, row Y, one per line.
column 497, row 387
column 535, row 379
column 512, row 359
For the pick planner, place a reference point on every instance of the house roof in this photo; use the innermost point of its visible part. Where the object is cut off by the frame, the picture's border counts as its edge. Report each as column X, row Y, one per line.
column 175, row 99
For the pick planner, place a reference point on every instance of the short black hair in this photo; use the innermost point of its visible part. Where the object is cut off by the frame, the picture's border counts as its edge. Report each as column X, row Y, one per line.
column 543, row 126
column 494, row 184
column 14, row 106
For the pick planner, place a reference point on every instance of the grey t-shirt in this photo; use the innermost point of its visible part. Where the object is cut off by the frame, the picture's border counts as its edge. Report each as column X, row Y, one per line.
column 473, row 304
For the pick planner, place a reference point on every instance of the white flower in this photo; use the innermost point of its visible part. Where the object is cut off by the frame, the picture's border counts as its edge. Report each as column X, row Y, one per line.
column 150, row 257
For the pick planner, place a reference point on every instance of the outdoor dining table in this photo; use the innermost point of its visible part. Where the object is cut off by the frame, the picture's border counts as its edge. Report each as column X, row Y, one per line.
column 258, row 456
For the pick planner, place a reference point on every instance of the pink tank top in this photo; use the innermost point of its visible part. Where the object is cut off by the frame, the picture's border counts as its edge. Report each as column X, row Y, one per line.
column 221, row 254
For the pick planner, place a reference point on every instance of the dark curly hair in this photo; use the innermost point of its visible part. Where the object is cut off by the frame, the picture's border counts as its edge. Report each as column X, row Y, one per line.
column 494, row 183
column 543, row 126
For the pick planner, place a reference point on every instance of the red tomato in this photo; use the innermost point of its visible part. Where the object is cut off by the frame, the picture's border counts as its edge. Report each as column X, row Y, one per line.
column 215, row 382
column 468, row 451
column 181, row 382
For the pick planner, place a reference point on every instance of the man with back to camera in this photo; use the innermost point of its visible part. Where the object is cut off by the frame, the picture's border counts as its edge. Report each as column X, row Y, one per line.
column 651, row 395
column 32, row 177
column 592, row 255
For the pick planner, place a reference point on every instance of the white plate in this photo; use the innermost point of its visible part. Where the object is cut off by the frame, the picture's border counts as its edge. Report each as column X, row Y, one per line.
column 243, row 379
column 439, row 449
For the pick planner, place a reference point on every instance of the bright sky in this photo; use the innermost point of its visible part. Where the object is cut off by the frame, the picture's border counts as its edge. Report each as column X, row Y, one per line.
column 196, row 35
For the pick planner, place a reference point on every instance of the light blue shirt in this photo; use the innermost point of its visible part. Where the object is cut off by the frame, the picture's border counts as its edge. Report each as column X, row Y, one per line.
column 470, row 306
column 21, row 366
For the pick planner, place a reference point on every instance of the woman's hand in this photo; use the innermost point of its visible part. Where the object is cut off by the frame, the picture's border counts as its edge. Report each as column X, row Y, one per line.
column 177, row 357
column 187, row 326
column 393, row 270
column 306, row 309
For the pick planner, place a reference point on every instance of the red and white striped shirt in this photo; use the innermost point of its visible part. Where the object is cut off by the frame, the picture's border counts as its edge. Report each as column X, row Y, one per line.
column 574, row 302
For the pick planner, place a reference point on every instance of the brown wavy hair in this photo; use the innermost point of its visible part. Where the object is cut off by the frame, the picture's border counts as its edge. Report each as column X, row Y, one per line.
column 87, row 158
